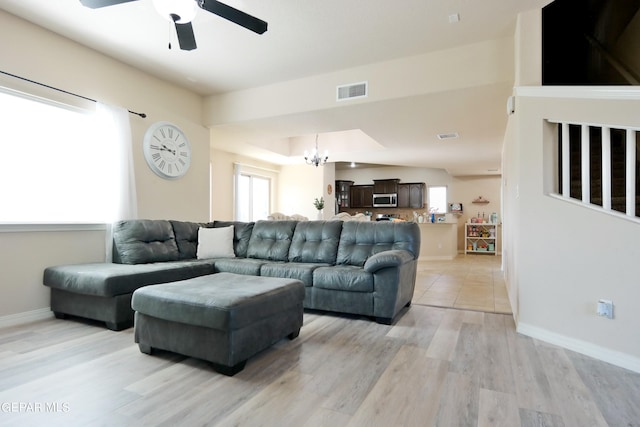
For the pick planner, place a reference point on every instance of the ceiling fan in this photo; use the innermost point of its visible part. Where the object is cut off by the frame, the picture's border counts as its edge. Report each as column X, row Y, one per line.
column 182, row 12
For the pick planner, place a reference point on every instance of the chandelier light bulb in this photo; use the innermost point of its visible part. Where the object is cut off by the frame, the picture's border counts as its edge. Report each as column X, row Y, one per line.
column 315, row 159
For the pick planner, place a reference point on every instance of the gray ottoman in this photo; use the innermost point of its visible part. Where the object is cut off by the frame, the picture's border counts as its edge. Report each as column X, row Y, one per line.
column 223, row 318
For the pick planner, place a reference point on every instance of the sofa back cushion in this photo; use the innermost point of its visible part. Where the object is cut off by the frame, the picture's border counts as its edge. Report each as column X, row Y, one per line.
column 271, row 240
column 141, row 241
column 186, row 234
column 241, row 235
column 315, row 242
column 360, row 240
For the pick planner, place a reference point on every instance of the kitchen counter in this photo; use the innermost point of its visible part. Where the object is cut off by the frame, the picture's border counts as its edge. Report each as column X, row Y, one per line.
column 438, row 241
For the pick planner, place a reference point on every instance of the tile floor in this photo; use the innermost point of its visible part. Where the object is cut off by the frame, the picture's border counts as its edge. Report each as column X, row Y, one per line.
column 469, row 282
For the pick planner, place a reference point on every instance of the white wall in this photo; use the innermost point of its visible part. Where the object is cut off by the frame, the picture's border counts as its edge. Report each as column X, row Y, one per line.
column 48, row 58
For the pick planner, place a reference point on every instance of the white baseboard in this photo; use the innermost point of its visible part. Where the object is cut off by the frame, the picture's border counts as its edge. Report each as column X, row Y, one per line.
column 26, row 317
column 604, row 354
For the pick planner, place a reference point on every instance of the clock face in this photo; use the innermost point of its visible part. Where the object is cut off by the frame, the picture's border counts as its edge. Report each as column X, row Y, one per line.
column 167, row 150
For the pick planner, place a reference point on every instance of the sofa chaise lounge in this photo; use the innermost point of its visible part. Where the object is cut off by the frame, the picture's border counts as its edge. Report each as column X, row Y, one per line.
column 361, row 268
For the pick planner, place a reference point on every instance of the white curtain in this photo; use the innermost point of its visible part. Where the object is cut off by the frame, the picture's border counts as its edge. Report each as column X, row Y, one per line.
column 116, row 134
column 236, row 185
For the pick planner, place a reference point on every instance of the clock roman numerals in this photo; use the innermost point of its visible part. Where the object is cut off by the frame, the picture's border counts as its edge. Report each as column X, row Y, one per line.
column 167, row 150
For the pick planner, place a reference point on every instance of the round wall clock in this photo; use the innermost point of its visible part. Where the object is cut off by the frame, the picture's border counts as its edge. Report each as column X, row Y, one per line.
column 167, row 150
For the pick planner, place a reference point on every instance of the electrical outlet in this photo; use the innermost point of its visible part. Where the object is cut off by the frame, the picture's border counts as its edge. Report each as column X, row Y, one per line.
column 605, row 308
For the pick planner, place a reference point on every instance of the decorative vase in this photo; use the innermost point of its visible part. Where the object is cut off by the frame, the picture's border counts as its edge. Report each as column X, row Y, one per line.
column 320, row 214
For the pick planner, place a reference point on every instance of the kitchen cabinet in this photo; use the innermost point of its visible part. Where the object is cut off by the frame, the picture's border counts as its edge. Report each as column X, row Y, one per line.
column 481, row 238
column 362, row 196
column 411, row 195
column 385, row 186
column 343, row 194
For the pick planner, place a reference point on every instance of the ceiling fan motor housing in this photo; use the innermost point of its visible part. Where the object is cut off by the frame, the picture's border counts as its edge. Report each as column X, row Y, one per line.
column 184, row 10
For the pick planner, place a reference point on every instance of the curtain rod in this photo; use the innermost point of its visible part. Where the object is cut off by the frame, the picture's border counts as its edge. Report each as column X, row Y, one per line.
column 143, row 115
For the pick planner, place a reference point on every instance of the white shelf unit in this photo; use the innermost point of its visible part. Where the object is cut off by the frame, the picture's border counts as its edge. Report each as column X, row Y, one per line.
column 481, row 238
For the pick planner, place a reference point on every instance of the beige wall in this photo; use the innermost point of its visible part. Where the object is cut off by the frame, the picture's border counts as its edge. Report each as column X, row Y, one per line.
column 560, row 258
column 299, row 185
column 48, row 58
column 222, row 186
column 465, row 190
column 567, row 256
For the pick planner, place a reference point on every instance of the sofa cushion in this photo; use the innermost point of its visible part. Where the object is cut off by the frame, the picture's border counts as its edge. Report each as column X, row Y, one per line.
column 186, row 234
column 241, row 235
column 300, row 271
column 360, row 240
column 270, row 240
column 109, row 279
column 215, row 242
column 315, row 242
column 343, row 278
column 248, row 266
column 142, row 241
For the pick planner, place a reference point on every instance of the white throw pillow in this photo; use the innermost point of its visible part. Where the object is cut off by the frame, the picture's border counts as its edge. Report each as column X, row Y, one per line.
column 215, row 242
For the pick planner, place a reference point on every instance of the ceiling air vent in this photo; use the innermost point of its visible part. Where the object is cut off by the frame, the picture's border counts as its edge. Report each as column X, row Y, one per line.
column 352, row 91
column 443, row 136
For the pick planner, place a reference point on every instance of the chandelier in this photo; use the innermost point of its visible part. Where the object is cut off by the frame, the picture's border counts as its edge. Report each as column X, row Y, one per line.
column 315, row 158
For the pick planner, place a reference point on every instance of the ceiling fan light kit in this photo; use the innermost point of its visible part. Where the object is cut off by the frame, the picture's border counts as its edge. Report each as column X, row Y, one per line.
column 182, row 12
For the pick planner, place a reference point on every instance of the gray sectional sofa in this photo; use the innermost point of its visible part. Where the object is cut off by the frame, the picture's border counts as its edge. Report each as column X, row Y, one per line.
column 361, row 268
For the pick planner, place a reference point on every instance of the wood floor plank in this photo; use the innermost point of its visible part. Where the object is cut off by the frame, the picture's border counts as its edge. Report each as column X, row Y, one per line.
column 497, row 409
column 495, row 370
column 615, row 391
column 574, row 400
column 323, row 417
column 418, row 325
column 444, row 341
column 459, row 401
column 530, row 418
column 411, row 376
column 531, row 384
column 285, row 402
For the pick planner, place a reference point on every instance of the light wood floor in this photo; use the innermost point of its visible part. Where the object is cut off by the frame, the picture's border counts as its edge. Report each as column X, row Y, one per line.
column 434, row 367
column 470, row 282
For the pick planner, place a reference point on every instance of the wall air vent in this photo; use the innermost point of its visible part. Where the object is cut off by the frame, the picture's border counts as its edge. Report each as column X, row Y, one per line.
column 352, row 91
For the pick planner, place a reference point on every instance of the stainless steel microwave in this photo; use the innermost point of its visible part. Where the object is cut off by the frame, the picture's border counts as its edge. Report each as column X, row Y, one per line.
column 385, row 200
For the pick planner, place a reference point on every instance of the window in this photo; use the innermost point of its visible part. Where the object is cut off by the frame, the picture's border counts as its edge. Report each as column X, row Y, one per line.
column 437, row 198
column 253, row 197
column 55, row 169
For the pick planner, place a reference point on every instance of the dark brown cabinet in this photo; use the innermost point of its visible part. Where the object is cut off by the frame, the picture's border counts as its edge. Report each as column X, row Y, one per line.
column 385, row 186
column 362, row 196
column 343, row 194
column 411, row 195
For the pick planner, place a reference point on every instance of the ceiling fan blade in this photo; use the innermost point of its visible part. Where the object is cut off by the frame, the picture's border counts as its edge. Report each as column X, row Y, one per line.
column 186, row 38
column 96, row 4
column 234, row 15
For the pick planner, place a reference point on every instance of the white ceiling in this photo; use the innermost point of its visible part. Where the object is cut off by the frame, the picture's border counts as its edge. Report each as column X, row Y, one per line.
column 312, row 37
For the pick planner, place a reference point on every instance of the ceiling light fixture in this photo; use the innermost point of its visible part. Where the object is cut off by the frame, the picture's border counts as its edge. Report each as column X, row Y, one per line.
column 315, row 158
column 184, row 10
